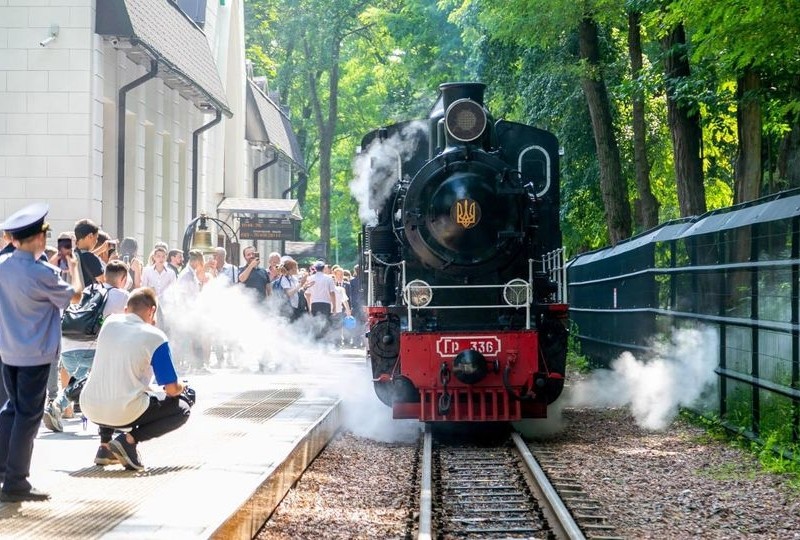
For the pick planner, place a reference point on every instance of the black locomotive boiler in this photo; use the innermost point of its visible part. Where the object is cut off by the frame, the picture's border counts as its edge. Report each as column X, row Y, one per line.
column 465, row 291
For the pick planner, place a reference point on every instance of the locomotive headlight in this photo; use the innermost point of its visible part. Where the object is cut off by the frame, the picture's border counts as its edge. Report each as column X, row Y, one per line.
column 418, row 293
column 465, row 120
column 515, row 292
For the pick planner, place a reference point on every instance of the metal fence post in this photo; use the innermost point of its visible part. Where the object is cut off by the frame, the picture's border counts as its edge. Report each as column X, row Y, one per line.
column 724, row 256
column 795, row 291
column 755, row 330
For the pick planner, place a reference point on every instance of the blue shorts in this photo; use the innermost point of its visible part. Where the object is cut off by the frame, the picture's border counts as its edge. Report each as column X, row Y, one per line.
column 77, row 362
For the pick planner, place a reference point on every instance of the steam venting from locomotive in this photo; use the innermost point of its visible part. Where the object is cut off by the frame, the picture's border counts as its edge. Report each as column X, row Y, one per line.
column 377, row 169
column 678, row 374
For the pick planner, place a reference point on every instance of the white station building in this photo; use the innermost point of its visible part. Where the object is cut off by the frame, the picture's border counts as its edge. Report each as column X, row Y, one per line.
column 140, row 115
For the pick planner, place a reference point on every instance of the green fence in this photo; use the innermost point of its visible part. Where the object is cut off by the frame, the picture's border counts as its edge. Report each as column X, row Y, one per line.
column 736, row 270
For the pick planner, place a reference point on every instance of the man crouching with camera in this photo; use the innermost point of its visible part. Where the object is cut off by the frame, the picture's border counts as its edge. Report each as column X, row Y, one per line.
column 117, row 395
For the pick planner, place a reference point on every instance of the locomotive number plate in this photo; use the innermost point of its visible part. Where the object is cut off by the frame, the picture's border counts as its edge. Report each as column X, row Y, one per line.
column 449, row 346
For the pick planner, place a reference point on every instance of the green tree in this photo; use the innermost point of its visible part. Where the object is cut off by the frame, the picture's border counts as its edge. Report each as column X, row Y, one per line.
column 752, row 43
column 554, row 21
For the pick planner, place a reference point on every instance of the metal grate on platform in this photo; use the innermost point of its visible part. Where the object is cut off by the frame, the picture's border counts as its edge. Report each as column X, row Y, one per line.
column 256, row 405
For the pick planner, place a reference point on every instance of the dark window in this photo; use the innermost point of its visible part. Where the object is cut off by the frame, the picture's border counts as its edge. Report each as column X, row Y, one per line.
column 195, row 9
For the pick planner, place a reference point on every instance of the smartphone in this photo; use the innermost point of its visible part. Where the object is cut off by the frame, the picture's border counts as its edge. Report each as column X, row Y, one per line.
column 126, row 259
column 256, row 255
column 65, row 243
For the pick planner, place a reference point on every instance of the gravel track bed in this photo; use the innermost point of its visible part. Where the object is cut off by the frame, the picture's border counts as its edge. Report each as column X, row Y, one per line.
column 356, row 488
column 678, row 484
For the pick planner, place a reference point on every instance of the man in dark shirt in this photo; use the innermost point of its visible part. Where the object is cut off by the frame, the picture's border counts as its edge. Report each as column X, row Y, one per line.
column 252, row 275
column 86, row 233
column 175, row 261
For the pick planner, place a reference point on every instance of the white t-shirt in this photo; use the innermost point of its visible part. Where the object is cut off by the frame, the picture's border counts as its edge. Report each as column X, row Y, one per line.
column 321, row 288
column 159, row 281
column 341, row 298
column 129, row 353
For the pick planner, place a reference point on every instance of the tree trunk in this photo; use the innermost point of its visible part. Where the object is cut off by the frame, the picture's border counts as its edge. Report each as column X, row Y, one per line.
column 684, row 127
column 789, row 157
column 612, row 184
column 747, row 184
column 302, row 141
column 326, row 126
column 789, row 151
column 647, row 205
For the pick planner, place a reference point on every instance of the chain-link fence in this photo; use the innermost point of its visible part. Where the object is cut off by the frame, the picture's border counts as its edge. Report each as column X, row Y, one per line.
column 736, row 270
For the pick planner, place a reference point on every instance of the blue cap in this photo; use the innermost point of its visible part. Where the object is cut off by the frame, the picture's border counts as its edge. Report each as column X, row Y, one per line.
column 27, row 222
column 319, row 265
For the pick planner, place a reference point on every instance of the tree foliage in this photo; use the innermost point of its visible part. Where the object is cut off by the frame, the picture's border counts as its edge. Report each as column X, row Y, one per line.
column 347, row 67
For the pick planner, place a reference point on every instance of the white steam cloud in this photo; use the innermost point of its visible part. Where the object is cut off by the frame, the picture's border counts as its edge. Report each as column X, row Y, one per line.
column 654, row 390
column 259, row 340
column 377, row 167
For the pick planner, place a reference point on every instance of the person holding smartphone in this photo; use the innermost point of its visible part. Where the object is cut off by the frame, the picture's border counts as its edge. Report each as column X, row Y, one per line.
column 61, row 258
column 252, row 275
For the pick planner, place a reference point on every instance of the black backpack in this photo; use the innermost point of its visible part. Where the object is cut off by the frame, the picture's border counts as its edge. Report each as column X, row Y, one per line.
column 82, row 321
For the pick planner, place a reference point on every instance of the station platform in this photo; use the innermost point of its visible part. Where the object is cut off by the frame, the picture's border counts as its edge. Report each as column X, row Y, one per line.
column 250, row 436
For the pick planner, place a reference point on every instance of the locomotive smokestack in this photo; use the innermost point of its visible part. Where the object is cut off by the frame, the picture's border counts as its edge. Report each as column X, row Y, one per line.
column 460, row 90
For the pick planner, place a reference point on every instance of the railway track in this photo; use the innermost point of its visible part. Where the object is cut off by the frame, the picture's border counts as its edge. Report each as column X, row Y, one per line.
column 500, row 491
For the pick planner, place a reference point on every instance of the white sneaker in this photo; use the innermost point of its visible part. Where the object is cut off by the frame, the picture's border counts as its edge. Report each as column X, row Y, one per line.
column 52, row 418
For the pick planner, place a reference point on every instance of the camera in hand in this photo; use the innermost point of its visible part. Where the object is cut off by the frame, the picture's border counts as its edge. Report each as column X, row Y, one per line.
column 256, row 255
column 188, row 395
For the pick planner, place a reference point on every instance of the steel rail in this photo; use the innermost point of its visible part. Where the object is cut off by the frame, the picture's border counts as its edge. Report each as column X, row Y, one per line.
column 560, row 511
column 426, row 487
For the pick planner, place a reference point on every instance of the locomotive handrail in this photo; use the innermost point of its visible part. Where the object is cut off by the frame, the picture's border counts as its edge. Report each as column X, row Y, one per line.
column 528, row 297
column 554, row 267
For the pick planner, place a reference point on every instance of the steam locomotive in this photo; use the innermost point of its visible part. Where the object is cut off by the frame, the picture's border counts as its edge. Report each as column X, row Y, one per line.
column 462, row 250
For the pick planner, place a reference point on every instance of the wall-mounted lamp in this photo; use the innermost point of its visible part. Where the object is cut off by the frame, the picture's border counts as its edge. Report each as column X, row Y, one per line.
column 54, row 28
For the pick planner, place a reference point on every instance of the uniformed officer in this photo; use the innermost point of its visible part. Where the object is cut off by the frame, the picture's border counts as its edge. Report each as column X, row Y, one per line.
column 32, row 294
column 8, row 248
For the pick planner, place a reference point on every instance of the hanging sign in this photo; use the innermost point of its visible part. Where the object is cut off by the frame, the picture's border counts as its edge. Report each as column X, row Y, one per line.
column 266, row 229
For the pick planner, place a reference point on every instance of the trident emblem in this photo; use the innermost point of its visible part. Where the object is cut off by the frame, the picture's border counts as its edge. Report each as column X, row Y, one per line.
column 467, row 213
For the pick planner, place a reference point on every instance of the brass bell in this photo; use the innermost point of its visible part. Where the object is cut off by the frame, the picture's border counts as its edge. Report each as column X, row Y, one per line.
column 201, row 239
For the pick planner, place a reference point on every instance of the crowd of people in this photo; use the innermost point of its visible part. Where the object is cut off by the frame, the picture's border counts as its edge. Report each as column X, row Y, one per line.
column 139, row 341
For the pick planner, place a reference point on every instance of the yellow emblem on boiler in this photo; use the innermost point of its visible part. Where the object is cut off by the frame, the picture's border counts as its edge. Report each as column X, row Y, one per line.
column 466, row 212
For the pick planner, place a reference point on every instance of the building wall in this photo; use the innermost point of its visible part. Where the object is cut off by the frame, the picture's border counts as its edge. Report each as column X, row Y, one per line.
column 58, row 129
column 158, row 151
column 58, row 126
column 45, row 113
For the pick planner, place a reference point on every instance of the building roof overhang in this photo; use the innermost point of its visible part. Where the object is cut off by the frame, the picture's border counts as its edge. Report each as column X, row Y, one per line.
column 276, row 208
column 266, row 124
column 157, row 30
